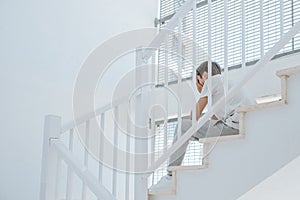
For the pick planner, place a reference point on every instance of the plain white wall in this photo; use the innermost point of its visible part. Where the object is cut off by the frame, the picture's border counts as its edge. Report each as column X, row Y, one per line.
column 283, row 184
column 42, row 45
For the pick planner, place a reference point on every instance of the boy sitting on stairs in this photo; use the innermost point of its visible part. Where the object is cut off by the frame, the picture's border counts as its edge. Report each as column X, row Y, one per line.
column 221, row 123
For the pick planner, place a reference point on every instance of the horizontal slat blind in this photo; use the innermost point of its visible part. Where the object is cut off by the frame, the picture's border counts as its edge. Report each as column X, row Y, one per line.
column 252, row 24
column 296, row 14
column 271, row 32
column 271, row 23
column 234, row 34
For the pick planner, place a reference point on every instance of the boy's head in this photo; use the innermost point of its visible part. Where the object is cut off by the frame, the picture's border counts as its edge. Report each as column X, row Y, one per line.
column 202, row 70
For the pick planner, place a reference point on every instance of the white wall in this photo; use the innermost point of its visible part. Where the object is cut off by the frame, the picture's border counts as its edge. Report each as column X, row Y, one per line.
column 42, row 45
column 283, row 184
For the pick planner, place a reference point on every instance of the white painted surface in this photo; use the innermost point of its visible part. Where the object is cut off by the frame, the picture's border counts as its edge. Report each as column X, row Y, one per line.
column 283, row 184
column 43, row 44
column 235, row 167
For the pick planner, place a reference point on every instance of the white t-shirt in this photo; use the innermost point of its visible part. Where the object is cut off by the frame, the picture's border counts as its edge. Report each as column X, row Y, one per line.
column 226, row 112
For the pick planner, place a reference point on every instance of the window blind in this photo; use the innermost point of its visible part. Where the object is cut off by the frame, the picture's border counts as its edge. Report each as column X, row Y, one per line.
column 271, row 33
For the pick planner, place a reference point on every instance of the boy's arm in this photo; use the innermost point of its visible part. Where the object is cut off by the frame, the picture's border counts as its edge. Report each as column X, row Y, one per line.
column 202, row 102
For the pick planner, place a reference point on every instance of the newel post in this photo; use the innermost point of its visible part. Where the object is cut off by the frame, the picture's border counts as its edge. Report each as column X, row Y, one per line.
column 52, row 126
column 141, row 131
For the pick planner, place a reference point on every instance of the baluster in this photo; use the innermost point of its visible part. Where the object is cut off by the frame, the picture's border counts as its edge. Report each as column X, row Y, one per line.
column 194, row 121
column 243, row 36
column 166, row 83
column 86, row 155
column 101, row 143
column 209, row 56
column 115, row 156
column 261, row 28
column 101, row 146
column 152, row 126
column 179, row 74
column 58, row 178
column 127, row 155
column 226, row 49
column 70, row 174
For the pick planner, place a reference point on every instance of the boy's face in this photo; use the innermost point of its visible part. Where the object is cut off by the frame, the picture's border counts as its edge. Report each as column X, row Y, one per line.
column 203, row 79
column 205, row 76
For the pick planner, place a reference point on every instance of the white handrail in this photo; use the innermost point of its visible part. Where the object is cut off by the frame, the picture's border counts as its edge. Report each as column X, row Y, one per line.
column 90, row 115
column 82, row 172
column 233, row 91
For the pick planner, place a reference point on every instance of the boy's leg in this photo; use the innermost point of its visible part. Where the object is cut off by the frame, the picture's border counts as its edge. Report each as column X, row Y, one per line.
column 212, row 128
column 219, row 128
column 177, row 158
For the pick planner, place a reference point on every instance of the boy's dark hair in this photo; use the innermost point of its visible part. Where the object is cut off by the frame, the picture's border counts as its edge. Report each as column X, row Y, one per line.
column 216, row 69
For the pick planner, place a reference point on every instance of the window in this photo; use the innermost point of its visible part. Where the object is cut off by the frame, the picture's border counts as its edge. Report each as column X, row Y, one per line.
column 271, row 32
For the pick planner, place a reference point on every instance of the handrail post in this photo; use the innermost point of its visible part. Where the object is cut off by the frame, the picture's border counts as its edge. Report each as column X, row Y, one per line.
column 52, row 126
column 209, row 37
column 141, row 143
column 194, row 121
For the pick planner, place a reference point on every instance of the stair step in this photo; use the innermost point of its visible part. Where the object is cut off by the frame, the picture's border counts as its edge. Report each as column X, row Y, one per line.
column 221, row 138
column 268, row 98
column 166, row 192
column 162, row 192
column 260, row 106
column 191, row 167
column 288, row 71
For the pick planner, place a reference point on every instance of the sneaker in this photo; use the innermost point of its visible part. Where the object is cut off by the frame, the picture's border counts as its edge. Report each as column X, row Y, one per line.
column 165, row 183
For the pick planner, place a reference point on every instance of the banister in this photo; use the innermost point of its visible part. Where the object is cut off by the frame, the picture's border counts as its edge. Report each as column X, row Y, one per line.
column 99, row 111
column 233, row 91
column 82, row 172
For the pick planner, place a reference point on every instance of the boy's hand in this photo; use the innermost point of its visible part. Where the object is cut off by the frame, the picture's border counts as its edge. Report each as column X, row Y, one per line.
column 199, row 83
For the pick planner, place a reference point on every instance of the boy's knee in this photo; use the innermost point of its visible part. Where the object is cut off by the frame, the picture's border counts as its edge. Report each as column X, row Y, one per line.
column 186, row 124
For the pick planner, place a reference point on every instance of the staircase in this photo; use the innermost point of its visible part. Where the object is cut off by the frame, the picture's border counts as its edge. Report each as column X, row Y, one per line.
column 238, row 163
column 233, row 165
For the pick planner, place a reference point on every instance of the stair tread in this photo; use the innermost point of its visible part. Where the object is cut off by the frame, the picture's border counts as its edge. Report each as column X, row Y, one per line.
column 260, row 106
column 288, row 71
column 221, row 138
column 191, row 167
column 162, row 192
